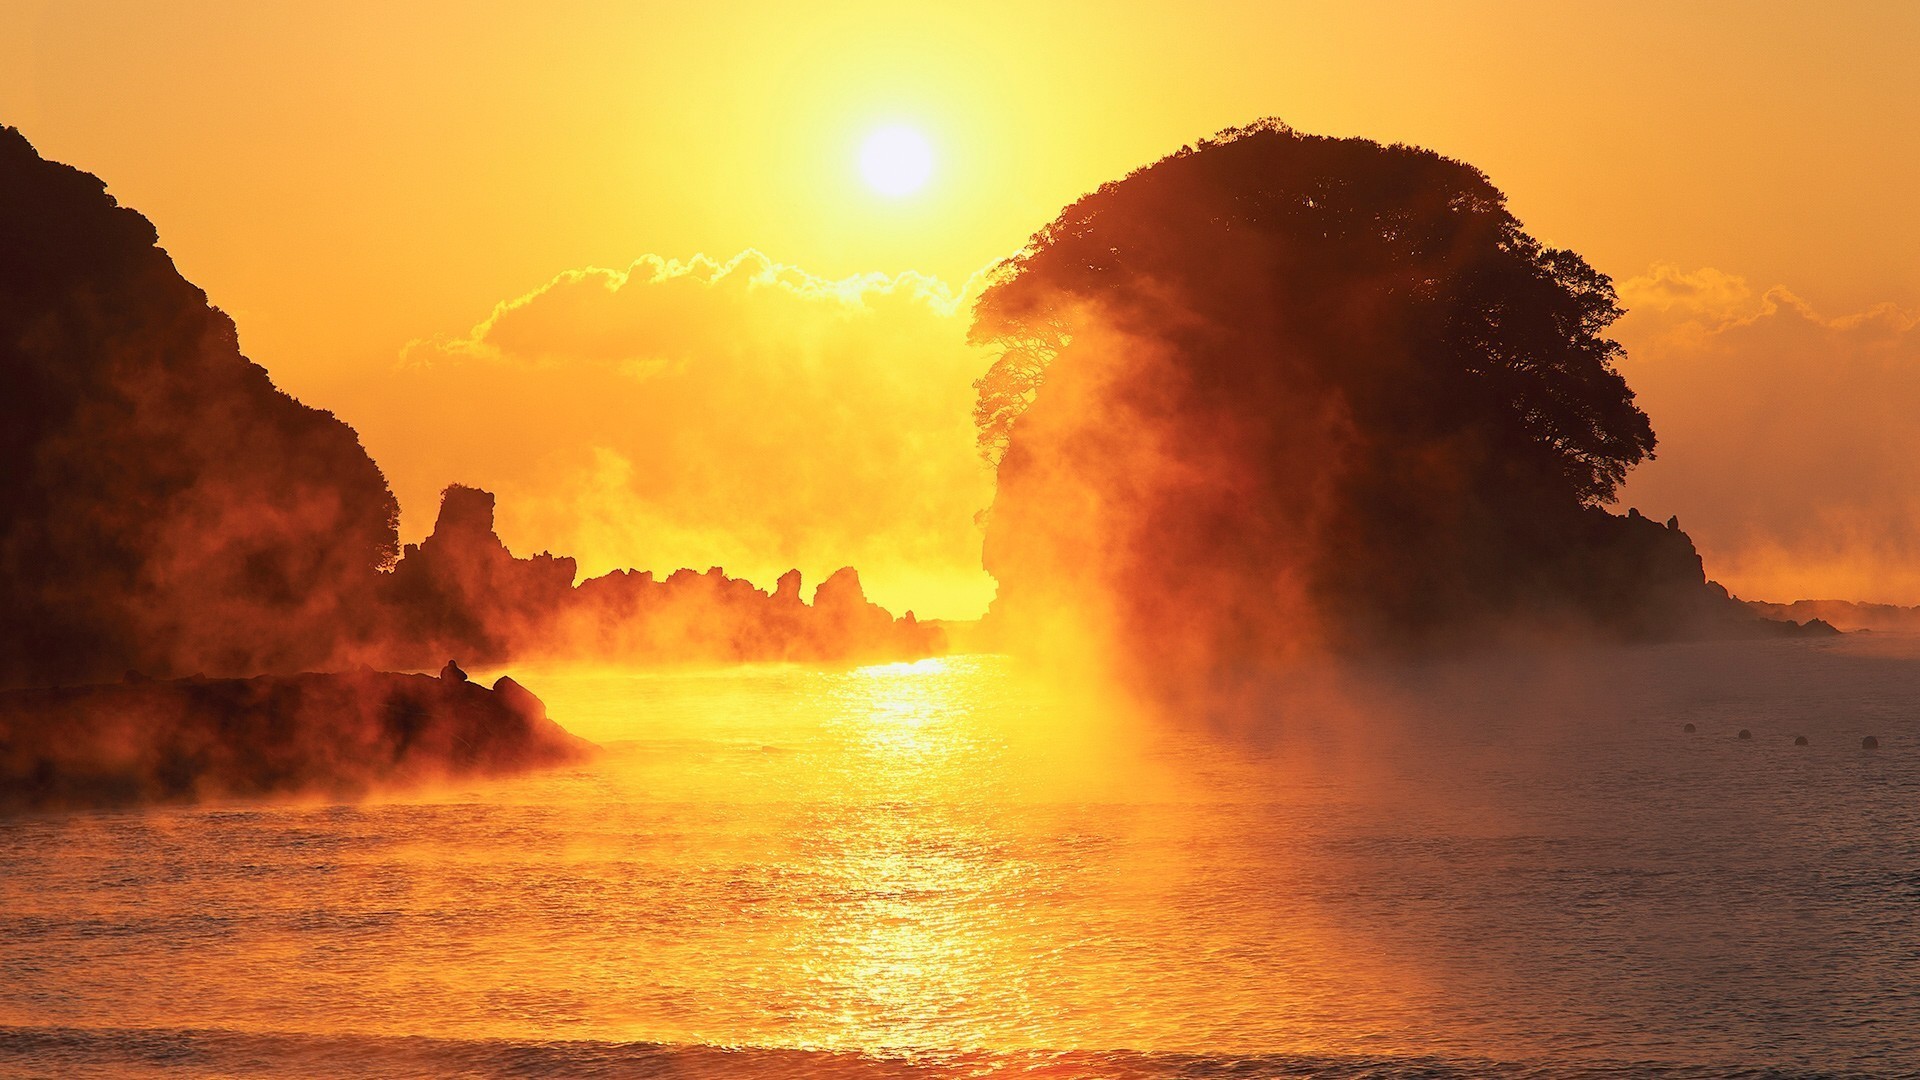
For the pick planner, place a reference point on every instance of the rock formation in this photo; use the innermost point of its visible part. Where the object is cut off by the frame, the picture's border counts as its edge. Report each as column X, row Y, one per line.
column 143, row 741
column 162, row 505
column 461, row 592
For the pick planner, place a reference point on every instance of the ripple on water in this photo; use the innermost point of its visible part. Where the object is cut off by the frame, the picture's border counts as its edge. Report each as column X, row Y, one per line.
column 937, row 875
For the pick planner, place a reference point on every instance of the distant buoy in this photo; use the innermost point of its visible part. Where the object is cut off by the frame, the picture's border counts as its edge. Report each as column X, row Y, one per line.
column 1799, row 740
column 1869, row 743
column 1745, row 734
column 1689, row 729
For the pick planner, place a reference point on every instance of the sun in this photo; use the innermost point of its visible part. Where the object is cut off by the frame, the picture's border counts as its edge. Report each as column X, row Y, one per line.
column 896, row 160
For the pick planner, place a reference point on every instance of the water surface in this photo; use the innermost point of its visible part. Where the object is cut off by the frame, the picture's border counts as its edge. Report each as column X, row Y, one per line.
column 1500, row 867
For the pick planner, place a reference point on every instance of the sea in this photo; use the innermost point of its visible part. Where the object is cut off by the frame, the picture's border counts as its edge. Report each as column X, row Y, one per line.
column 1499, row 866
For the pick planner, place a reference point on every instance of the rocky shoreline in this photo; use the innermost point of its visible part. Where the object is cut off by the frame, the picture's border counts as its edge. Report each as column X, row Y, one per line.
column 319, row 735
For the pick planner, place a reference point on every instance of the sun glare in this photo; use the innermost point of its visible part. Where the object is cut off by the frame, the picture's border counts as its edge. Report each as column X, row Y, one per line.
column 896, row 160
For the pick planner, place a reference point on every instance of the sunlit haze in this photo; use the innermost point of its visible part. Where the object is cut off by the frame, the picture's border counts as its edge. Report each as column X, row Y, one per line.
column 1775, row 150
column 891, row 541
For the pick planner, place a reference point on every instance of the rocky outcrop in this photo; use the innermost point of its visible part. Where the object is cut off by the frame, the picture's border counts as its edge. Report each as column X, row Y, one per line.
column 1843, row 615
column 1639, row 580
column 142, row 741
column 164, row 507
column 162, row 504
column 461, row 592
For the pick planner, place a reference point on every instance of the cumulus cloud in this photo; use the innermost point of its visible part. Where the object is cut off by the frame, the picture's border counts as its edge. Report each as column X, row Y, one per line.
column 703, row 412
column 748, row 414
column 1787, row 436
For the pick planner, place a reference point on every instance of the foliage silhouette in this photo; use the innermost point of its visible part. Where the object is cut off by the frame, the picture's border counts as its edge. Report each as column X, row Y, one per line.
column 1281, row 391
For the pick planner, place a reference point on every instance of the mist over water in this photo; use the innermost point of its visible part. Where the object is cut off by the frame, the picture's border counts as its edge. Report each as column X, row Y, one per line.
column 1516, row 866
column 1343, row 728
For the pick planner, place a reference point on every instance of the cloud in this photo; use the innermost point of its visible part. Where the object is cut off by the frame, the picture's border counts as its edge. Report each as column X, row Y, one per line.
column 741, row 413
column 748, row 414
column 666, row 309
column 1786, row 436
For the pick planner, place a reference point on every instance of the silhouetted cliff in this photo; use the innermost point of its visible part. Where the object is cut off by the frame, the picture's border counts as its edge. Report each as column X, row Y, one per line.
column 142, row 741
column 162, row 505
column 164, row 508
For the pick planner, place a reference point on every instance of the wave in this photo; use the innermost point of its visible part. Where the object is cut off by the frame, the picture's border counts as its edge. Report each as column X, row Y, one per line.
column 139, row 1052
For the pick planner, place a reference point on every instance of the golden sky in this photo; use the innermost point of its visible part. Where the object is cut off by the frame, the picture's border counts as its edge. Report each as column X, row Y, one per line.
column 471, row 230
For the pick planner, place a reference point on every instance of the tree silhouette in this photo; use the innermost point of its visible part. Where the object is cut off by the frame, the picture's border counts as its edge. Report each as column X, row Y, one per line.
column 1279, row 384
column 1512, row 329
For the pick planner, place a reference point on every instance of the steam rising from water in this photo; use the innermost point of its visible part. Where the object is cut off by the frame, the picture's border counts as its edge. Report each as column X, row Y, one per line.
column 942, row 863
column 1279, row 399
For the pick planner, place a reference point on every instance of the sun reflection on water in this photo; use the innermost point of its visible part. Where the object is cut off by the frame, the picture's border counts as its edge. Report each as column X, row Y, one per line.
column 905, row 941
column 919, row 860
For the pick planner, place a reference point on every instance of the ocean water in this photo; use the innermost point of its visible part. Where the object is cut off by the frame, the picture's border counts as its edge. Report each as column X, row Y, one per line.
column 963, row 867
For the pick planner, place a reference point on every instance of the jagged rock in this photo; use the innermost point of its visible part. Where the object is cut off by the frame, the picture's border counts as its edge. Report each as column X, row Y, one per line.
column 787, row 589
column 332, row 735
column 165, row 508
column 461, row 589
column 519, row 698
column 842, row 589
column 1842, row 616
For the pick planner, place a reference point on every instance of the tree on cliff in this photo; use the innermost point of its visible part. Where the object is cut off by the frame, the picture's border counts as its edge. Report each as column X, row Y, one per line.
column 163, row 506
column 1281, row 387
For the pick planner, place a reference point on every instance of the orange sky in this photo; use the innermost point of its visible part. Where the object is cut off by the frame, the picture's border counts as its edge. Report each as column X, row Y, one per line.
column 362, row 188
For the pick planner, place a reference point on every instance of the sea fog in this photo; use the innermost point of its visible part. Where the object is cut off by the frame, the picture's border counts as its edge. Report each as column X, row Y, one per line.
column 1516, row 864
